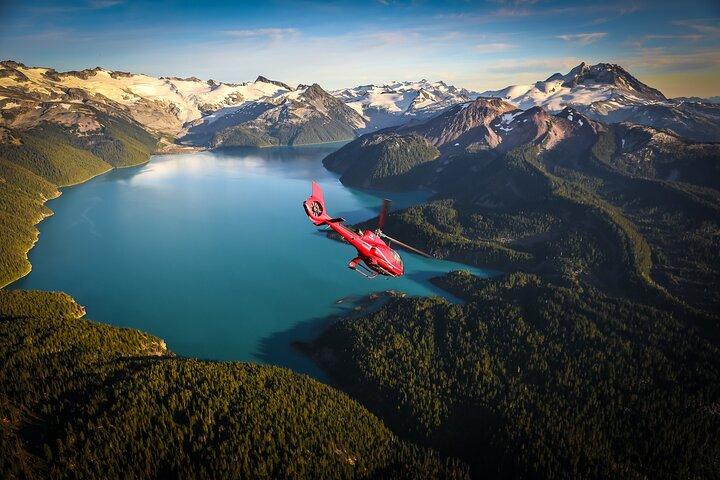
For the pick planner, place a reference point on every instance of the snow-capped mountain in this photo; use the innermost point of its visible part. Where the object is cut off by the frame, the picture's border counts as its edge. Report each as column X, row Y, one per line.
column 396, row 103
column 164, row 105
column 583, row 85
column 608, row 93
column 199, row 112
column 304, row 115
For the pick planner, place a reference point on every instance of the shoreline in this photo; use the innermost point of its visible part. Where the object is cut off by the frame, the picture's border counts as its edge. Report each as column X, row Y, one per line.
column 59, row 188
column 164, row 148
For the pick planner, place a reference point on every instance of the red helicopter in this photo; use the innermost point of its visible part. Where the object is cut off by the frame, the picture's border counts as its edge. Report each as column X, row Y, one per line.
column 378, row 258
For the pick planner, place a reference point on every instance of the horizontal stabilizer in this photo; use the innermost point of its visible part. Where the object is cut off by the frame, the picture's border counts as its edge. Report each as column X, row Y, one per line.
column 335, row 220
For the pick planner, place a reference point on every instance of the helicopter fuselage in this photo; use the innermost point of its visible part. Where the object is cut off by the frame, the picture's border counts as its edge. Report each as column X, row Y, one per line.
column 374, row 256
column 372, row 251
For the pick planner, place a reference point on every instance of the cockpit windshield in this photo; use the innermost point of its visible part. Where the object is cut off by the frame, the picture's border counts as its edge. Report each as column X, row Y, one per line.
column 397, row 258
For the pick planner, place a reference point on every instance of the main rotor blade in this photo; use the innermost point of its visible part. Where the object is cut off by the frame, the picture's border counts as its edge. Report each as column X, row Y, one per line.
column 405, row 245
column 383, row 213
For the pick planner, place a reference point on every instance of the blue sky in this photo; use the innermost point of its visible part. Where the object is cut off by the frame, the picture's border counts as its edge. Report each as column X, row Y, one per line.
column 674, row 46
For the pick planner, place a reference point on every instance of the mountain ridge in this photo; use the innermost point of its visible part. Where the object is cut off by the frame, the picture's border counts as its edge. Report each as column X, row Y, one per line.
column 196, row 111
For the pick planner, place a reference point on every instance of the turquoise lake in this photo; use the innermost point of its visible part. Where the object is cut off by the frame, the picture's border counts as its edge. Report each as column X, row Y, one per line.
column 213, row 253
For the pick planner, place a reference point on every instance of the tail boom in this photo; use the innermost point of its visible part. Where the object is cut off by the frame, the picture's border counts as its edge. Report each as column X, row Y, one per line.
column 315, row 208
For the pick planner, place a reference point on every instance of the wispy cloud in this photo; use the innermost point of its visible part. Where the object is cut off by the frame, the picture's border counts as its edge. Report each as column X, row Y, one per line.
column 102, row 4
column 275, row 34
column 493, row 47
column 87, row 6
column 712, row 29
column 475, row 18
column 52, row 35
column 536, row 67
column 514, row 2
column 657, row 59
column 583, row 38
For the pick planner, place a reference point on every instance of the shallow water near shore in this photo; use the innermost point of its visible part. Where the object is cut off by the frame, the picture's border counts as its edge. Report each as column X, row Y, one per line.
column 213, row 252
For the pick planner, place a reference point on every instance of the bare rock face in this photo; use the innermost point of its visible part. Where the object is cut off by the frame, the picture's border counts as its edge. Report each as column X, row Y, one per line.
column 466, row 123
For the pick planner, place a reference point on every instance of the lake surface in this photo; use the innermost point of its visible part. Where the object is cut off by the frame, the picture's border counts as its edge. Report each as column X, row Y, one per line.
column 213, row 252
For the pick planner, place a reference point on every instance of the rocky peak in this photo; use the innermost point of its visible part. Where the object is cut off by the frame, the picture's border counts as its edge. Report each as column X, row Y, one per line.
column 486, row 107
column 12, row 64
column 262, row 79
column 573, row 115
column 315, row 92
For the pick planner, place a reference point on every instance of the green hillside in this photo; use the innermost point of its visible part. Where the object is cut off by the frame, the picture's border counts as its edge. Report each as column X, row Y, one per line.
column 382, row 160
column 52, row 157
column 533, row 379
column 262, row 134
column 81, row 399
column 22, row 195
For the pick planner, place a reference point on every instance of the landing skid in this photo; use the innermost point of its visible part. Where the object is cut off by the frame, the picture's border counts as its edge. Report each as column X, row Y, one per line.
column 356, row 265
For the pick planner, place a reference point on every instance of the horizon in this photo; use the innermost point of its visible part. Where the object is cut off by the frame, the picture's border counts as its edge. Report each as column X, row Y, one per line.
column 474, row 45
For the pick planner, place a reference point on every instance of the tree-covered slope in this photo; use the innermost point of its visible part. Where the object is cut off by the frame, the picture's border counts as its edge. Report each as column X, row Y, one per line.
column 533, row 379
column 34, row 162
column 47, row 156
column 80, row 399
column 597, row 353
column 382, row 160
column 22, row 195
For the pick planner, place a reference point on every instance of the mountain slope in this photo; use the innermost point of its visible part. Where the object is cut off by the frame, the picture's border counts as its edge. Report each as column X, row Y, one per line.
column 608, row 93
column 594, row 354
column 381, row 160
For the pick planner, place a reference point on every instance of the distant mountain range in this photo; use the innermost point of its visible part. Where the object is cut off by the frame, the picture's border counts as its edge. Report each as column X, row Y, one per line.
column 396, row 103
column 492, row 127
column 268, row 112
